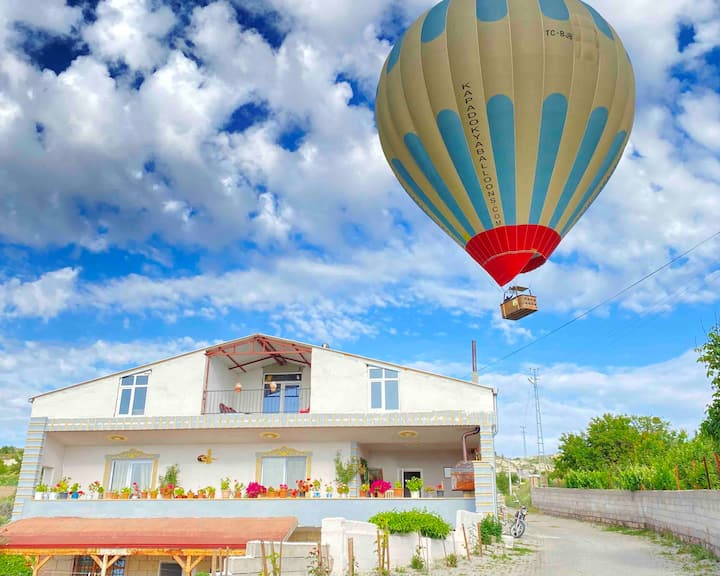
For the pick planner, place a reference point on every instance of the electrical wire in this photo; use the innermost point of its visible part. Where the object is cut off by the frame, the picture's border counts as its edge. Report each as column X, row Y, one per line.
column 593, row 308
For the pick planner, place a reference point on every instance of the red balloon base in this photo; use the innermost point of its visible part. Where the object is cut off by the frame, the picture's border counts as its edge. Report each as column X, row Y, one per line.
column 507, row 251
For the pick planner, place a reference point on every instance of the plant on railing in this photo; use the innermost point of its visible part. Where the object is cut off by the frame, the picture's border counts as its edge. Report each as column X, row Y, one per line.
column 171, row 475
column 238, row 488
column 211, row 491
column 414, row 484
column 254, row 489
column 380, row 487
column 179, row 492
column 304, row 486
column 345, row 471
column 41, row 488
column 62, row 486
column 225, row 483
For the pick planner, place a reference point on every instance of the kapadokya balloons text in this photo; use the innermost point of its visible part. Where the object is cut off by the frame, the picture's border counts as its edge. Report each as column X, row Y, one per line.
column 503, row 120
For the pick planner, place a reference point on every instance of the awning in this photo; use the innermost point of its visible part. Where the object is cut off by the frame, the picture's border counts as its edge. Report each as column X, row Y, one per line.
column 149, row 536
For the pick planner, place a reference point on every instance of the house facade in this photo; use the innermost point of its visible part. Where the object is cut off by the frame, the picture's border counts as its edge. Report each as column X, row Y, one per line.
column 258, row 409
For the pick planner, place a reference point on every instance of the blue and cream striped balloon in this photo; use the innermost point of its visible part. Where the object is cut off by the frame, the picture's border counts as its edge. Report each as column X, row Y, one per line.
column 503, row 120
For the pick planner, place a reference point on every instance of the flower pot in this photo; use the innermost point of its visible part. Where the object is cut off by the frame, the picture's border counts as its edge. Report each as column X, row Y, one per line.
column 225, row 493
column 62, row 495
column 398, row 492
column 75, row 496
column 440, row 493
column 364, row 493
column 414, row 493
column 283, row 493
column 316, row 494
column 52, row 496
column 40, row 495
column 124, row 496
column 301, row 495
column 238, row 494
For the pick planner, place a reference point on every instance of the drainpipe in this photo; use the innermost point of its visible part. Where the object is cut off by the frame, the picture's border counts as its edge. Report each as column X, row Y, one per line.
column 474, row 431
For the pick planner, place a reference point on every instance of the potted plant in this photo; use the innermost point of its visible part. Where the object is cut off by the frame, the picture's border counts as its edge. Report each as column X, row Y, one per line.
column 429, row 491
column 328, row 490
column 414, row 484
column 136, row 490
column 201, row 493
column 225, row 487
column 345, row 471
column 271, row 492
column 41, row 491
column 364, row 490
column 96, row 490
column 75, row 491
column 239, row 487
column 440, row 491
column 283, row 491
column 167, row 491
column 61, row 488
column 303, row 487
column 125, row 493
column 210, row 492
column 190, row 495
column 255, row 489
column 397, row 489
column 343, row 490
column 316, row 484
column 379, row 487
column 179, row 492
column 153, row 493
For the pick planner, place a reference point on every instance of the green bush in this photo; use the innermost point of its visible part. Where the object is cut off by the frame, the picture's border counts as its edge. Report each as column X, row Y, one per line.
column 429, row 524
column 588, row 479
column 490, row 526
column 14, row 565
column 635, row 478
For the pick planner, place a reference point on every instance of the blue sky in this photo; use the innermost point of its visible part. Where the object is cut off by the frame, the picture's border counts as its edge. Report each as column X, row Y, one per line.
column 174, row 174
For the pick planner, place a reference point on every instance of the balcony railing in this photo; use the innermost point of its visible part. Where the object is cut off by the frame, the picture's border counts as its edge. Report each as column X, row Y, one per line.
column 285, row 400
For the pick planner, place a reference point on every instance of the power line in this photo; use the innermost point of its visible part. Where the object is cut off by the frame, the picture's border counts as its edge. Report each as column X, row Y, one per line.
column 592, row 309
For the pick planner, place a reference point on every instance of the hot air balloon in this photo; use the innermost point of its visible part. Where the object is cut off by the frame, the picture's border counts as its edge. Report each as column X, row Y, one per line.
column 503, row 120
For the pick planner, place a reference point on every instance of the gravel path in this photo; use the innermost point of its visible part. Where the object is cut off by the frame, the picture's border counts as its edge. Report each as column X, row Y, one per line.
column 563, row 547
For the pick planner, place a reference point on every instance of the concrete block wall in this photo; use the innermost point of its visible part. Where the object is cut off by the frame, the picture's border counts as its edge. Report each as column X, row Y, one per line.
column 691, row 515
column 295, row 558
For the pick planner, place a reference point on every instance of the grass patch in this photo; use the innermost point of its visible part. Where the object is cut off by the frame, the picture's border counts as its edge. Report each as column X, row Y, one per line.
column 627, row 530
column 522, row 550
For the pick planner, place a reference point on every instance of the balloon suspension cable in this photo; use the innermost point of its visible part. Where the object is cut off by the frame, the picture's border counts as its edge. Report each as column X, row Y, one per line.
column 593, row 308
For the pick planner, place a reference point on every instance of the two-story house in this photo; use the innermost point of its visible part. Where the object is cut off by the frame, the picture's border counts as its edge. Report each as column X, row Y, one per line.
column 258, row 409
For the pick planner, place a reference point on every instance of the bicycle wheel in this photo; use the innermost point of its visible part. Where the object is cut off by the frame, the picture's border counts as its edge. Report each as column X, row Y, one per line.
column 517, row 529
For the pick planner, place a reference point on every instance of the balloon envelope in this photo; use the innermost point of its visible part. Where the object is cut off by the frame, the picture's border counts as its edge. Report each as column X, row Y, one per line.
column 503, row 120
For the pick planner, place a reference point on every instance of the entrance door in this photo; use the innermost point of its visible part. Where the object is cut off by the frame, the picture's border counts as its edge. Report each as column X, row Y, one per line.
column 406, row 475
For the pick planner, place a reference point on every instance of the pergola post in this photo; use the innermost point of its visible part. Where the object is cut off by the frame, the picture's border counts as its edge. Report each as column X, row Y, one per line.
column 187, row 564
column 104, row 563
column 38, row 562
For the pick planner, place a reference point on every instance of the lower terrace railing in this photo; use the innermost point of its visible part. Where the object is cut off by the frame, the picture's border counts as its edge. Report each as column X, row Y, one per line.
column 284, row 400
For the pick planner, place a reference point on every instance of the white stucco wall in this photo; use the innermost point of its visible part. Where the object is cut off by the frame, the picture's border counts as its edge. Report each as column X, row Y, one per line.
column 341, row 384
column 86, row 464
column 175, row 387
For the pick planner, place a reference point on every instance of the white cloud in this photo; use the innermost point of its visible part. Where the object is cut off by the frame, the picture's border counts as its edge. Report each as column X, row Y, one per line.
column 44, row 298
column 130, row 31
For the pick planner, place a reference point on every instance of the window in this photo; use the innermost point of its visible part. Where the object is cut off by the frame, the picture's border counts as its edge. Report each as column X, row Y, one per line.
column 170, row 569
column 86, row 566
column 133, row 392
column 281, row 393
column 383, row 389
column 278, row 470
column 125, row 472
column 47, row 476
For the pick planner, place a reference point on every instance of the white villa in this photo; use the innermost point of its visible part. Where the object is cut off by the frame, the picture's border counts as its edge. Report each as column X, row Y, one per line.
column 258, row 409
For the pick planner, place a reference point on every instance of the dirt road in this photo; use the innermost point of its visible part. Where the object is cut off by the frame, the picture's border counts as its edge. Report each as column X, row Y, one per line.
column 559, row 547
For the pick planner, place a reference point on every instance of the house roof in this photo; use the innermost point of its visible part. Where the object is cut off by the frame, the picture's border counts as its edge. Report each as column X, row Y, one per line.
column 56, row 534
column 258, row 347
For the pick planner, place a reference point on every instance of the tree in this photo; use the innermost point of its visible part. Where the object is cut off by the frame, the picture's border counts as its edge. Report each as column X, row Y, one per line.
column 710, row 356
column 613, row 441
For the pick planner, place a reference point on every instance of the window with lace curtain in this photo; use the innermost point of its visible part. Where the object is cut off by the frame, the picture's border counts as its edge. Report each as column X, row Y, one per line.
column 126, row 472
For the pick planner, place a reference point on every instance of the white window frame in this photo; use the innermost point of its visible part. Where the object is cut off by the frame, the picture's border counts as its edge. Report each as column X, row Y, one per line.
column 126, row 481
column 285, row 459
column 132, row 389
column 382, row 381
column 281, row 388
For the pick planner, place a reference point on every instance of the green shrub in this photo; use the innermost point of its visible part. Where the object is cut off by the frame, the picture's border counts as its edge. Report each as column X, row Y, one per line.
column 490, row 526
column 429, row 524
column 588, row 479
column 14, row 565
column 451, row 560
column 634, row 478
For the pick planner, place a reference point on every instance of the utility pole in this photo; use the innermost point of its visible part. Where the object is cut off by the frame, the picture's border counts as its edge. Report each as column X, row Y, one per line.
column 538, row 418
column 524, row 445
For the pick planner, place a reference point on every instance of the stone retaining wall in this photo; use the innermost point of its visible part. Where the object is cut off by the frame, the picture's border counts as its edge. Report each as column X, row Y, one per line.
column 691, row 515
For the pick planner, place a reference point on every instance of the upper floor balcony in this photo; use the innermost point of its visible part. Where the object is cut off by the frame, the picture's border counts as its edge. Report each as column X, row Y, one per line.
column 285, row 399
